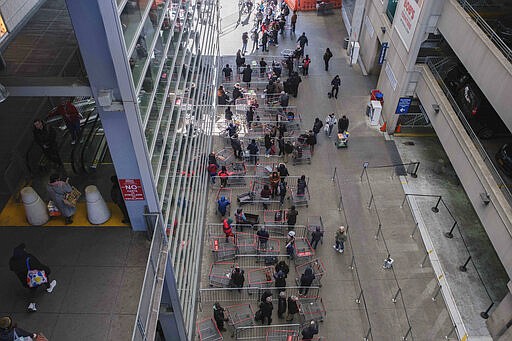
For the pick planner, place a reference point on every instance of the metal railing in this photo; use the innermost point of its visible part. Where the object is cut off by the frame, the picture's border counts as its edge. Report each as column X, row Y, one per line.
column 153, row 278
column 431, row 63
column 500, row 44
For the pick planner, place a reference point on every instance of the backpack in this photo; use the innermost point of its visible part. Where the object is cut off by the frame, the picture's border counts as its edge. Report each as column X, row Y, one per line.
column 212, row 168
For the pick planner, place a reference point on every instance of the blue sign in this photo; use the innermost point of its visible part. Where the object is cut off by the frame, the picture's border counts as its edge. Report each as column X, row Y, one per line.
column 403, row 105
column 382, row 54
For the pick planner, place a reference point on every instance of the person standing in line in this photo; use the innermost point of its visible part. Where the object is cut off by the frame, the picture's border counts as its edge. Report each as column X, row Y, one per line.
column 293, row 307
column 237, row 278
column 310, row 331
column 282, row 191
column 290, row 245
column 245, row 39
column 317, row 125
column 311, row 141
column 222, row 205
column 343, row 124
column 223, row 175
column 117, row 197
column 58, row 189
column 240, row 219
column 255, row 39
column 327, row 58
column 330, row 121
column 306, row 280
column 293, row 21
column 316, row 236
column 263, row 237
column 281, row 304
column 266, row 310
column 218, row 315
column 336, row 82
column 305, row 65
column 237, row 146
column 9, row 331
column 341, row 238
column 253, row 151
column 46, row 137
column 283, row 171
column 292, row 217
column 21, row 263
column 226, row 228
column 264, row 41
column 247, row 75
column 280, row 281
column 227, row 71
column 263, row 67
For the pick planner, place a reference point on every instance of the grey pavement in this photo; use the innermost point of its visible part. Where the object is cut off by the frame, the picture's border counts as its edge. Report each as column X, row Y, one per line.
column 99, row 274
column 412, row 285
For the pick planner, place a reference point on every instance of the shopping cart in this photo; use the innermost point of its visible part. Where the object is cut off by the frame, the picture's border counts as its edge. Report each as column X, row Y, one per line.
column 225, row 156
column 312, row 223
column 263, row 171
column 220, row 274
column 237, row 172
column 311, row 309
column 301, row 155
column 208, row 331
column 303, row 251
column 287, row 53
column 240, row 315
column 226, row 193
column 299, row 199
column 261, row 277
column 282, row 335
column 221, row 250
column 275, row 217
column 318, row 270
column 245, row 243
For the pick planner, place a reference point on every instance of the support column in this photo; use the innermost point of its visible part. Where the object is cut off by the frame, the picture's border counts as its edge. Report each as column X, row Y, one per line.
column 357, row 20
column 500, row 319
column 98, row 31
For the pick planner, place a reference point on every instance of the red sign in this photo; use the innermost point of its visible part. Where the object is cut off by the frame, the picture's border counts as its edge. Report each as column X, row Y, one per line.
column 131, row 189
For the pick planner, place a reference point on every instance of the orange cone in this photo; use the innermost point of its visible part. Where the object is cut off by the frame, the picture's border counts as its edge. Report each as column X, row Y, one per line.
column 383, row 128
column 398, row 128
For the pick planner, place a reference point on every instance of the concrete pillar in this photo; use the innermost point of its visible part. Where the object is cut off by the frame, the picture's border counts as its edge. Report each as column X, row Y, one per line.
column 35, row 208
column 500, row 319
column 97, row 210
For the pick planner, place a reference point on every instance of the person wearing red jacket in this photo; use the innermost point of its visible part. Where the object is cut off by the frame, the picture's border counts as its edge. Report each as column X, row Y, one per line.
column 226, row 227
column 71, row 117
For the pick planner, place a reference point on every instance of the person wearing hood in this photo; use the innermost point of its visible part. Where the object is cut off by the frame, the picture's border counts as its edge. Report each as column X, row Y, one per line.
column 58, row 189
column 310, row 331
column 292, row 217
column 223, row 175
column 280, row 280
column 218, row 316
column 281, row 305
column 317, row 126
column 237, row 146
column 226, row 228
column 316, row 236
column 306, row 280
column 21, row 263
column 237, row 278
column 222, row 205
column 9, row 331
column 282, row 266
column 266, row 310
column 247, row 75
column 283, row 171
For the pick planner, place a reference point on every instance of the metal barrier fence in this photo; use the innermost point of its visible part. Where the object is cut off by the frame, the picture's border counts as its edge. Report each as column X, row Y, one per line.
column 432, row 64
column 280, row 332
column 301, row 231
column 500, row 44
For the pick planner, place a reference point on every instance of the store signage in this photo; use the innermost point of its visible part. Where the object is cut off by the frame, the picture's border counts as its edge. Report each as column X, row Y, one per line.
column 382, row 54
column 131, row 189
column 404, row 103
column 409, row 14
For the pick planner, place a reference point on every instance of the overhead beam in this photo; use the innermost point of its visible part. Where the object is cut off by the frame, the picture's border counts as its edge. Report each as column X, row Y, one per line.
column 46, row 86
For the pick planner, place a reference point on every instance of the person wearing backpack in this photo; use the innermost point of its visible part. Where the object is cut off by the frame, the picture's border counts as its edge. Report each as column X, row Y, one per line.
column 305, row 65
column 336, row 83
column 227, row 71
column 31, row 273
column 327, row 58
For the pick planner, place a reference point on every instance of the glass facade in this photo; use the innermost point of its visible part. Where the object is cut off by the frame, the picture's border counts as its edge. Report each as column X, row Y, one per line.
column 173, row 52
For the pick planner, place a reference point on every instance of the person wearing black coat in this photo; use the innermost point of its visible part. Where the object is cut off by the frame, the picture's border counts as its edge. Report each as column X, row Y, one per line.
column 240, row 61
column 249, row 116
column 317, row 126
column 20, row 263
column 283, row 171
column 237, row 278
column 293, row 308
column 264, row 42
column 218, row 316
column 311, row 141
column 247, row 75
column 237, row 92
column 9, row 331
column 282, row 266
column 280, row 280
column 266, row 310
column 306, row 280
column 336, row 82
column 237, row 146
column 117, row 198
column 284, row 99
column 327, row 57
column 310, row 331
column 292, row 217
column 343, row 124
column 281, row 305
column 46, row 137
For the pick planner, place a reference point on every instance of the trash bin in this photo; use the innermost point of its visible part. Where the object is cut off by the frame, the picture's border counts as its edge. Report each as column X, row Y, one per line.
column 345, row 42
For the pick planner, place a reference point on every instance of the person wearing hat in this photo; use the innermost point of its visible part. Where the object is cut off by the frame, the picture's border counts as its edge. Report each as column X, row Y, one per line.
column 237, row 278
column 284, row 100
column 266, row 309
column 293, row 307
column 218, row 316
column 20, row 263
column 290, row 245
column 281, row 305
column 226, row 227
column 310, row 331
column 341, row 238
column 9, row 331
column 222, row 205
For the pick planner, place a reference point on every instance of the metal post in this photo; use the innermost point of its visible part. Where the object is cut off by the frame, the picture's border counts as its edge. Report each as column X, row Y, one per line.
column 415, row 174
column 451, row 332
column 406, row 334
column 366, row 338
column 378, row 231
column 370, row 203
column 485, row 314
column 334, row 175
column 424, row 260
column 439, row 286
column 351, row 266
column 450, row 234
column 414, row 230
column 340, row 205
column 392, row 172
column 358, row 299
column 396, row 295
column 435, row 209
column 463, row 267
column 403, row 201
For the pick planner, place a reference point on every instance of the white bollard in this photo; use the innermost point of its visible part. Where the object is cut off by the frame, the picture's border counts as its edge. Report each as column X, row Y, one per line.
column 97, row 210
column 35, row 208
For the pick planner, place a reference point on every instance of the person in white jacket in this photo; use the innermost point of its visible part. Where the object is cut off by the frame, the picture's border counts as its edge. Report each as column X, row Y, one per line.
column 330, row 122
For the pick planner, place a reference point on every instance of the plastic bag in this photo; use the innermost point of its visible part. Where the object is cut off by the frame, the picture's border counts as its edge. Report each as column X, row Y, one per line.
column 53, row 210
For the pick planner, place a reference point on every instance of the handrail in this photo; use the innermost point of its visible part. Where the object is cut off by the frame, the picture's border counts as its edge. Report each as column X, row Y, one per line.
column 431, row 63
column 500, row 44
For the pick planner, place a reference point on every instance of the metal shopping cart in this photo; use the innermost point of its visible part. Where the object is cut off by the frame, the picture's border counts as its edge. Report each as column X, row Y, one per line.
column 245, row 243
column 299, row 199
column 311, row 309
column 237, row 172
column 268, row 252
column 303, row 251
column 261, row 277
column 312, row 223
column 282, row 335
column 208, row 331
column 275, row 217
column 220, row 274
column 221, row 250
column 301, row 154
column 240, row 315
column 225, row 156
column 318, row 270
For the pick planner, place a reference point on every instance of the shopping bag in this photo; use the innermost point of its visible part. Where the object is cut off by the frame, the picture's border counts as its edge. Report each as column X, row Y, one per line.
column 72, row 197
column 53, row 210
column 35, row 277
column 41, row 337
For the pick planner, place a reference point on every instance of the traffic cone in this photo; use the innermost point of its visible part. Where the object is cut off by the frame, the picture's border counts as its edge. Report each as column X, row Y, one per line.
column 383, row 127
column 398, row 128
